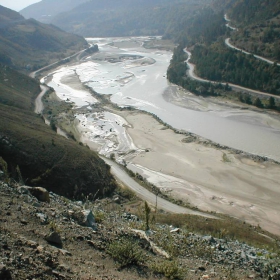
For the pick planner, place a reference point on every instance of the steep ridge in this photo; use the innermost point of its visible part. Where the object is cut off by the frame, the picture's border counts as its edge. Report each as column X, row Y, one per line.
column 43, row 157
column 28, row 44
column 45, row 10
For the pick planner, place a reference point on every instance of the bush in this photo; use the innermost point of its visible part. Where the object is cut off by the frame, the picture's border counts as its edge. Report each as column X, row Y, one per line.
column 126, row 252
column 169, row 269
column 4, row 168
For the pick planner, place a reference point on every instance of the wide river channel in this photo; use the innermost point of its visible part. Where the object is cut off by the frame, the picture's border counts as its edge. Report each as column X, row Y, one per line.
column 136, row 76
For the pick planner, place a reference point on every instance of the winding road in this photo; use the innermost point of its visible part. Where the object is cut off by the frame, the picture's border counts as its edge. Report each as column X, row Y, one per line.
column 191, row 70
column 227, row 42
column 192, row 74
column 148, row 196
column 33, row 74
column 38, row 101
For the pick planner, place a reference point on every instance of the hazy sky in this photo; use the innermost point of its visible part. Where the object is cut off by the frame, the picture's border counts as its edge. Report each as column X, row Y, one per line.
column 17, row 5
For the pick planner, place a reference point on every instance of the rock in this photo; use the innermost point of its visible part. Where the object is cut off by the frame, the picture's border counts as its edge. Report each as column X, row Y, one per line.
column 43, row 218
column 5, row 274
column 130, row 217
column 201, row 268
column 63, row 267
column 54, row 238
column 243, row 255
column 175, row 230
column 65, row 252
column 23, row 190
column 40, row 249
column 32, row 244
column 58, row 275
column 23, row 221
column 210, row 239
column 40, row 193
column 85, row 218
column 80, row 238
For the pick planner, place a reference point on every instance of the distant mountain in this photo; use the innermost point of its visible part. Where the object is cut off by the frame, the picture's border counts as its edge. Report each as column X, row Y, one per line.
column 45, row 10
column 124, row 17
column 29, row 44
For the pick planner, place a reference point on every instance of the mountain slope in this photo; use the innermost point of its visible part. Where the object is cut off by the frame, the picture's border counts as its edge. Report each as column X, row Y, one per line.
column 45, row 10
column 29, row 44
column 205, row 35
column 124, row 17
column 44, row 158
column 254, row 11
column 259, row 27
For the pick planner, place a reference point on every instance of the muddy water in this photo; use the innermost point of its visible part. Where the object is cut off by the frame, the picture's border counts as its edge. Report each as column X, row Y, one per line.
column 135, row 76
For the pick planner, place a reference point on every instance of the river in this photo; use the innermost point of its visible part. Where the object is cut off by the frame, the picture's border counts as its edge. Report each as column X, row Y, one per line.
column 135, row 76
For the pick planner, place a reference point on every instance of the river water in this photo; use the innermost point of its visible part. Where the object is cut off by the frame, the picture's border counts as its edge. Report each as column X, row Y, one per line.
column 135, row 76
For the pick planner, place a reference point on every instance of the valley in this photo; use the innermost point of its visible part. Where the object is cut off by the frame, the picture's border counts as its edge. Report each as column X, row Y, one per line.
column 142, row 145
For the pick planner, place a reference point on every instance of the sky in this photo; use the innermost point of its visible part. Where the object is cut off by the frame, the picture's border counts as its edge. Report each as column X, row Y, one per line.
column 17, row 5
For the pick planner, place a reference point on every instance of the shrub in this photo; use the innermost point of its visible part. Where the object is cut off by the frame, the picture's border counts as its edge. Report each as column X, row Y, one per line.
column 169, row 269
column 99, row 216
column 126, row 252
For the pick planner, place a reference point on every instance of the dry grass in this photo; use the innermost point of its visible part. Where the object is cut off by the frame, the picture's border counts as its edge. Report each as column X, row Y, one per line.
column 226, row 228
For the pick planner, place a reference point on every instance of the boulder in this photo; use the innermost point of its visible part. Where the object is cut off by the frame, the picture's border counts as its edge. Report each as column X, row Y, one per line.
column 85, row 218
column 40, row 193
column 54, row 238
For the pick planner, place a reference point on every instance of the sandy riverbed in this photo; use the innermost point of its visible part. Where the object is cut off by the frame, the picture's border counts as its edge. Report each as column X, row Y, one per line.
column 209, row 178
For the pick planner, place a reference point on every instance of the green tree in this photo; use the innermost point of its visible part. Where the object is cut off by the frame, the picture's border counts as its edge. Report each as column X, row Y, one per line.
column 147, row 215
column 258, row 103
column 19, row 176
column 271, row 103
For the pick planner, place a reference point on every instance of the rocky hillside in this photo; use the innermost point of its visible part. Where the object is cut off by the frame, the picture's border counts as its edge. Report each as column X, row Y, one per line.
column 29, row 45
column 46, row 236
column 43, row 157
